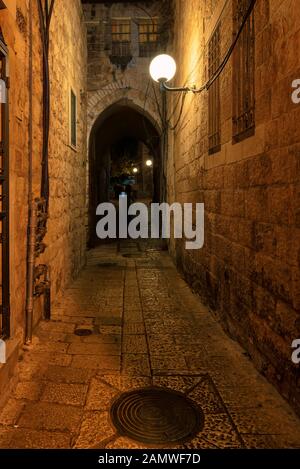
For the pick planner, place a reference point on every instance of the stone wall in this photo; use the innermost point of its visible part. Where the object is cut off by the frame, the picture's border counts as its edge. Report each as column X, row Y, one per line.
column 15, row 36
column 248, row 271
column 66, row 238
column 110, row 82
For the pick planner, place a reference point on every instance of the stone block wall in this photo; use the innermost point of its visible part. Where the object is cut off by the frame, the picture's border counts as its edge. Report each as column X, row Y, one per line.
column 66, row 238
column 249, row 269
column 109, row 82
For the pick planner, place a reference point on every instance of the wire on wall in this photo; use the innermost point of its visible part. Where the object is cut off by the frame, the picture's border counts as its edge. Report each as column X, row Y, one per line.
column 221, row 67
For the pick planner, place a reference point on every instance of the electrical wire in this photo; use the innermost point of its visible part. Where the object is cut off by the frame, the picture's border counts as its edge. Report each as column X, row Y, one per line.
column 174, row 127
column 222, row 65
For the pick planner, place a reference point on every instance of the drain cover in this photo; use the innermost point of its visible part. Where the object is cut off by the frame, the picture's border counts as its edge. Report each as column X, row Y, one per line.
column 83, row 331
column 156, row 416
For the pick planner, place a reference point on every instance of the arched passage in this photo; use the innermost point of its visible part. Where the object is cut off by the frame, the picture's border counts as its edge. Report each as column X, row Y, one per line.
column 120, row 129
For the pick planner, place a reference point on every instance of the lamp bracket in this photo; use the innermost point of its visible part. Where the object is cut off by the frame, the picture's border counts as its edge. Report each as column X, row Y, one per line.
column 185, row 89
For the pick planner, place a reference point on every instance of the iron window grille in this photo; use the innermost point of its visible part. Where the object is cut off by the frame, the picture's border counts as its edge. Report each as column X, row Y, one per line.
column 4, row 199
column 243, row 74
column 148, row 37
column 214, row 108
column 121, row 38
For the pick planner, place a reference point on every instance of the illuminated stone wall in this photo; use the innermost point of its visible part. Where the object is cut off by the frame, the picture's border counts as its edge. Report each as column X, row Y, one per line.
column 248, row 271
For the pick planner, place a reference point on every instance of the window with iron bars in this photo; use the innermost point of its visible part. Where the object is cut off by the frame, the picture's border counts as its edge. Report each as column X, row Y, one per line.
column 243, row 74
column 121, row 38
column 4, row 202
column 214, row 108
column 148, row 37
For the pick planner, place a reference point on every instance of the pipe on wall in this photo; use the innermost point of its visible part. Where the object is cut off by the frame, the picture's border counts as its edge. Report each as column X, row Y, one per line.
column 45, row 16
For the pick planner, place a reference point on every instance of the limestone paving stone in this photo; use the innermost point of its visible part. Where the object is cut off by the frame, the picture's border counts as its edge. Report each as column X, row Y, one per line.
column 178, row 383
column 127, row 383
column 206, row 396
column 62, row 393
column 48, row 416
column 168, row 364
column 135, row 344
column 29, row 390
column 60, row 359
column 218, row 432
column 49, row 336
column 94, row 349
column 100, row 395
column 31, row 439
column 5, row 437
column 135, row 364
column 133, row 328
column 97, row 362
column 121, row 443
column 11, row 412
column 54, row 326
column 95, row 430
column 55, row 347
column 103, row 329
column 61, row 374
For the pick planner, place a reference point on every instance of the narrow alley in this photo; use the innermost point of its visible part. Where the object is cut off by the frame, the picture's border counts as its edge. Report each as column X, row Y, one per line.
column 146, row 328
column 149, row 229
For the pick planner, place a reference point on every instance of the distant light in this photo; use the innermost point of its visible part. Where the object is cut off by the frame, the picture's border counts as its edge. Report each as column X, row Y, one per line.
column 135, row 170
column 162, row 68
column 149, row 163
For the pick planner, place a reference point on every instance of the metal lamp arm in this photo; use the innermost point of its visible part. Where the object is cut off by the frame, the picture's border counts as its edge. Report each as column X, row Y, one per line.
column 165, row 87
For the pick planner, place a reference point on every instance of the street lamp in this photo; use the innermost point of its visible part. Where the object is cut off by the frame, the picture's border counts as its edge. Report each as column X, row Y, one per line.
column 149, row 163
column 163, row 69
column 135, row 170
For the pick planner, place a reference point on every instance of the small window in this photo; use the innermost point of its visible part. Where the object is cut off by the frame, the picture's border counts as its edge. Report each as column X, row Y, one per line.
column 73, row 119
column 121, row 38
column 214, row 130
column 243, row 74
column 148, row 37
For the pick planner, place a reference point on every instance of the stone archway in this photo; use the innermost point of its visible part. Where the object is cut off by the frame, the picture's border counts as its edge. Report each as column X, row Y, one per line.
column 124, row 117
column 100, row 101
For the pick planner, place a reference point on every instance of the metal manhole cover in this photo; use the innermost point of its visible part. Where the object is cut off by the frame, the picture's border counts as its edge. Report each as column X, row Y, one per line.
column 156, row 416
column 83, row 331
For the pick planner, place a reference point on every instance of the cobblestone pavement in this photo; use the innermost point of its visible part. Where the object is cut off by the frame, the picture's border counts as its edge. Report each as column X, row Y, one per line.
column 148, row 328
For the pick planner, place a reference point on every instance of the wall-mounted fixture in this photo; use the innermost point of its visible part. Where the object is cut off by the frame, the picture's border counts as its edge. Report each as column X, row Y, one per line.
column 163, row 69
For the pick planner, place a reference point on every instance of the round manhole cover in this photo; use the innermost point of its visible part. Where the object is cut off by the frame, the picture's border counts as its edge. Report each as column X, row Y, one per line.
column 83, row 331
column 156, row 416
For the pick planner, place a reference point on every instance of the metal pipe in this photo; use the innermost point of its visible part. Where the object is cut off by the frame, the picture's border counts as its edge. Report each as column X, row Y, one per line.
column 31, row 208
column 45, row 15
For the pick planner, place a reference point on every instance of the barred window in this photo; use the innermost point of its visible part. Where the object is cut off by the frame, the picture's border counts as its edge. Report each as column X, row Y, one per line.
column 214, row 130
column 148, row 37
column 243, row 74
column 121, row 38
